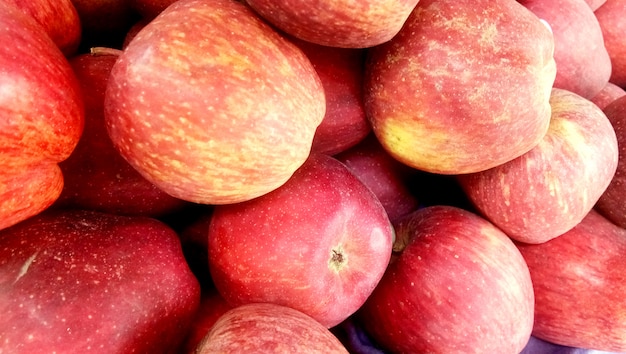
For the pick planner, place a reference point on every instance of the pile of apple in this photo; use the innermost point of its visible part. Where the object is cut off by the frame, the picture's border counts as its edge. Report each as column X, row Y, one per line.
column 296, row 176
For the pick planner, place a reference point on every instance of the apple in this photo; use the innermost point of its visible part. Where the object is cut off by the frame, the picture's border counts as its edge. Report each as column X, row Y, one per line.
column 578, row 279
column 96, row 175
column 341, row 71
column 582, row 62
column 320, row 243
column 268, row 328
column 384, row 175
column 41, row 114
column 211, row 104
column 610, row 16
column 611, row 203
column 149, row 9
column 595, row 4
column 456, row 284
column 354, row 24
column 212, row 307
column 58, row 18
column 463, row 87
column 79, row 281
column 608, row 94
column 551, row 188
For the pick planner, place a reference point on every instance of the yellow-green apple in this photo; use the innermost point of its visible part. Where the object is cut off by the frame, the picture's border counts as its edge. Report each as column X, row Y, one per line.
column 41, row 116
column 611, row 203
column 579, row 285
column 583, row 65
column 548, row 190
column 213, row 105
column 351, row 24
column 268, row 328
column 383, row 174
column 95, row 174
column 341, row 72
column 456, row 284
column 81, row 281
column 58, row 18
column 463, row 87
column 319, row 243
column 608, row 94
column 610, row 16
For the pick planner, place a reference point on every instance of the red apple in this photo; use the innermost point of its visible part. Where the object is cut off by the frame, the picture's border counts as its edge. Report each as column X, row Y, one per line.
column 608, row 94
column 319, row 244
column 211, row 104
column 58, row 18
column 582, row 62
column 354, row 24
column 41, row 115
column 212, row 307
column 611, row 204
column 384, row 175
column 549, row 190
column 610, row 16
column 79, row 281
column 456, row 284
column 595, row 4
column 341, row 71
column 96, row 175
column 268, row 328
column 149, row 9
column 579, row 284
column 463, row 87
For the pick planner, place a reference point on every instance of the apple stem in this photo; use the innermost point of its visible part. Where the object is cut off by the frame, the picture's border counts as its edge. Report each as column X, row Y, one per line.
column 105, row 51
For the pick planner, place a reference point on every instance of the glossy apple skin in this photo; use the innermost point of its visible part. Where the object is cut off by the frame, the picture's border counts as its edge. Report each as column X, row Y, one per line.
column 268, row 328
column 239, row 113
column 583, row 63
column 608, row 94
column 354, row 24
column 610, row 16
column 383, row 174
column 551, row 188
column 96, row 176
column 579, row 283
column 463, row 87
column 58, row 18
column 320, row 244
column 41, row 115
column 341, row 71
column 456, row 284
column 611, row 204
column 73, row 281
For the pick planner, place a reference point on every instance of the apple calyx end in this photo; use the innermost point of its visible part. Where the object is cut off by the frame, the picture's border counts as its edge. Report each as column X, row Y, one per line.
column 338, row 259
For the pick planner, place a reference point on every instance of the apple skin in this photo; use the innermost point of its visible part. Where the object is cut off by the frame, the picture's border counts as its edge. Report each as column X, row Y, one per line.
column 611, row 204
column 354, row 24
column 583, row 63
column 212, row 307
column 461, row 279
column 610, row 16
column 268, row 328
column 242, row 99
column 383, row 174
column 320, row 243
column 463, row 87
column 58, row 18
column 96, row 175
column 551, row 188
column 341, row 71
column 71, row 281
column 41, row 114
column 578, row 280
column 595, row 4
column 149, row 9
column 608, row 94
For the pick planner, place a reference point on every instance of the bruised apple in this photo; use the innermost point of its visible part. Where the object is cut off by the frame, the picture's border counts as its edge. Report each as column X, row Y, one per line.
column 578, row 279
column 549, row 190
column 41, row 116
column 456, row 284
column 463, row 87
column 81, row 281
column 320, row 243
column 211, row 104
